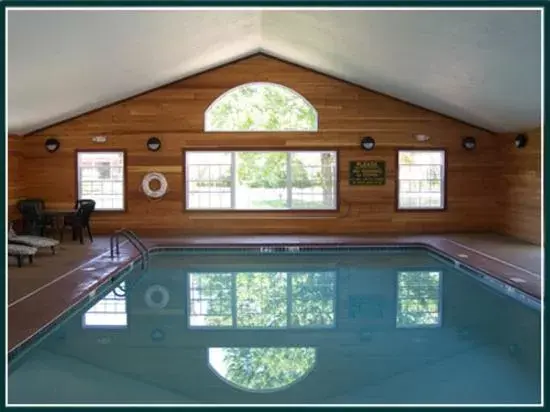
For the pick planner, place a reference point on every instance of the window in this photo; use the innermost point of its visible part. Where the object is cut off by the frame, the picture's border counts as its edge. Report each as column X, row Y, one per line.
column 260, row 107
column 262, row 300
column 101, row 178
column 262, row 369
column 109, row 312
column 260, row 180
column 421, row 179
column 418, row 299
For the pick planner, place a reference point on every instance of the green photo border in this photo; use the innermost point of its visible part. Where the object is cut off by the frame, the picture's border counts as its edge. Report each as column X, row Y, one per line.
column 289, row 3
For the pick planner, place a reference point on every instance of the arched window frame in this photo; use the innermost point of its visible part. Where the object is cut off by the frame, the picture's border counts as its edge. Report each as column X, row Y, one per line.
column 223, row 96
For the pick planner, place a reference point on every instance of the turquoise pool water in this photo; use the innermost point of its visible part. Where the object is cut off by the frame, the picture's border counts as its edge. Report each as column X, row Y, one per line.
column 346, row 327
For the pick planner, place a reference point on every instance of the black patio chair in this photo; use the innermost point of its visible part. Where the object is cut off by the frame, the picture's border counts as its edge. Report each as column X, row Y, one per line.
column 81, row 219
column 32, row 216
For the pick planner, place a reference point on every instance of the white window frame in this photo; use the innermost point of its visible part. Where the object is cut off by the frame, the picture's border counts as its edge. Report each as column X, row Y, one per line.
column 439, row 302
column 79, row 178
column 443, row 181
column 233, row 179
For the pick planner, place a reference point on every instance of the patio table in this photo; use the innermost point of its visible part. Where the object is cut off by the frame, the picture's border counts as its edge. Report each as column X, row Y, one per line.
column 58, row 218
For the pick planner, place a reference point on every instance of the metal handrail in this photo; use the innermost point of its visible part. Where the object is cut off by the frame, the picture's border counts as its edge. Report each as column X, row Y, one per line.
column 134, row 241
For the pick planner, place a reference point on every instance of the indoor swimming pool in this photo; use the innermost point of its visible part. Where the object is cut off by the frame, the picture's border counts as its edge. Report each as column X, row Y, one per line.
column 288, row 325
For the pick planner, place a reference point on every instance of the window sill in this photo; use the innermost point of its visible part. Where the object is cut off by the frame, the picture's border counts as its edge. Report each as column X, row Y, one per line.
column 263, row 214
column 422, row 210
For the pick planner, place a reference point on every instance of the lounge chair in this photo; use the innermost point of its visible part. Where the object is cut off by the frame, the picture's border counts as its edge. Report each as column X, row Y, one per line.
column 20, row 251
column 33, row 241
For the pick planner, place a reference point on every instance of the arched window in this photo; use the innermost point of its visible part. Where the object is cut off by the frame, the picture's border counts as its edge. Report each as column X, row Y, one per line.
column 262, row 107
column 262, row 369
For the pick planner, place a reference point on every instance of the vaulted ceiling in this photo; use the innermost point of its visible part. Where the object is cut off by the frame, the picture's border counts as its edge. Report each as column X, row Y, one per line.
column 482, row 67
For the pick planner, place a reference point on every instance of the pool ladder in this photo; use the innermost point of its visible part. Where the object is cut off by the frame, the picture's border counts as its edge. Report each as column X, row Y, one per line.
column 134, row 240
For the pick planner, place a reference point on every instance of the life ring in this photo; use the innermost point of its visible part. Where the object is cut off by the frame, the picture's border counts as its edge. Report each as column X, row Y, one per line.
column 146, row 185
column 157, row 304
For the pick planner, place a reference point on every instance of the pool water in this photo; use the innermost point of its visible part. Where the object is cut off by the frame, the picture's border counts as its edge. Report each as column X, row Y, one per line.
column 332, row 327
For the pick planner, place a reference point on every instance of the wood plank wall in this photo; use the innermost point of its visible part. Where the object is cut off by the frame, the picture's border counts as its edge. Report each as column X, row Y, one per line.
column 346, row 113
column 16, row 186
column 520, row 181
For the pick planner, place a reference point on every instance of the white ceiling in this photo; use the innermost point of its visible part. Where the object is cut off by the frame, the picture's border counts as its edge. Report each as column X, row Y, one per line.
column 482, row 67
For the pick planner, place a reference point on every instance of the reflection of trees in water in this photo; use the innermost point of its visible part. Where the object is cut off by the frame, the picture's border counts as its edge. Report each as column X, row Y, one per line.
column 262, row 299
column 264, row 369
column 418, row 298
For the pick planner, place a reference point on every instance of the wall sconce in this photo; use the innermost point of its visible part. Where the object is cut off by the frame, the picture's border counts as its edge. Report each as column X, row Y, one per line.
column 520, row 141
column 469, row 143
column 368, row 143
column 52, row 145
column 153, row 144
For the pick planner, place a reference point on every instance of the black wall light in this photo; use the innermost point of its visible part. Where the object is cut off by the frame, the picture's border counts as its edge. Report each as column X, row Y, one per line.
column 368, row 143
column 469, row 143
column 520, row 141
column 153, row 144
column 52, row 145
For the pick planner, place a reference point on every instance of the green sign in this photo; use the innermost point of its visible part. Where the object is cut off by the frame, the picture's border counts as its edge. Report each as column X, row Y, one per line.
column 369, row 173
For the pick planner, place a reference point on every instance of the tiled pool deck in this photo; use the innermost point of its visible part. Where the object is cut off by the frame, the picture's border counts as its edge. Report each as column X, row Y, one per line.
column 40, row 293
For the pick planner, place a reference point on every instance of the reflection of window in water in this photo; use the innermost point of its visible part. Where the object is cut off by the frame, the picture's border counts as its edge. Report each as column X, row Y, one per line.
column 418, row 299
column 262, row 300
column 109, row 311
column 262, row 369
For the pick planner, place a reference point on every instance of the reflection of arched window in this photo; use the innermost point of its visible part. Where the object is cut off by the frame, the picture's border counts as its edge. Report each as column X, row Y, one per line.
column 260, row 107
column 262, row 369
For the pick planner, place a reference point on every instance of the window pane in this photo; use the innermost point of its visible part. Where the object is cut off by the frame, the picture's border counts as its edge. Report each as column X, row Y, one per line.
column 261, row 106
column 261, row 180
column 313, row 180
column 101, row 178
column 208, row 180
column 421, row 179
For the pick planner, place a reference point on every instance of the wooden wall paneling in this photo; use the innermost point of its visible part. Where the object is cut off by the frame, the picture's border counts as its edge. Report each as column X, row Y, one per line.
column 346, row 113
column 519, row 202
column 16, row 186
